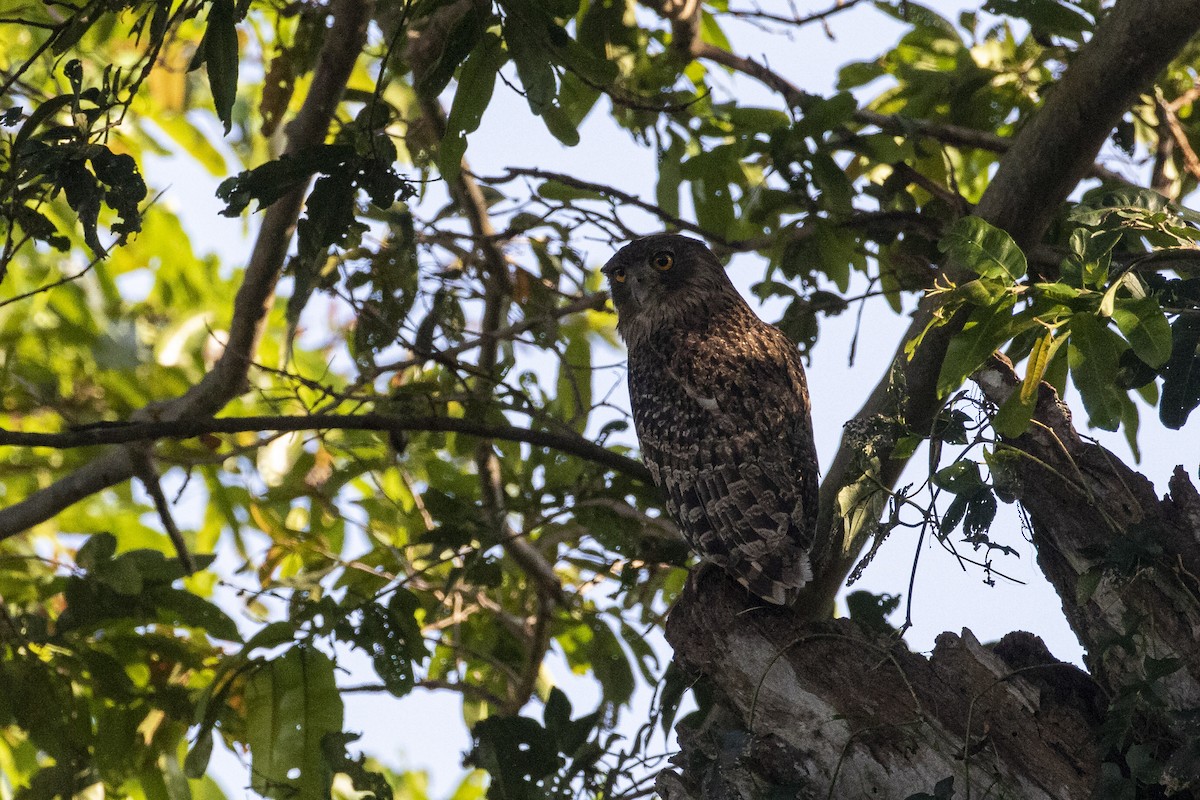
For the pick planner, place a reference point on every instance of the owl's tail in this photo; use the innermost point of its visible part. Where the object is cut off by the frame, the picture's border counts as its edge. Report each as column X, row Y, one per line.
column 775, row 577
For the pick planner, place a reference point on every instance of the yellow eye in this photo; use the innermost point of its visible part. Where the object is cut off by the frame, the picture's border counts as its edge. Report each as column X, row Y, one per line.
column 663, row 261
column 618, row 274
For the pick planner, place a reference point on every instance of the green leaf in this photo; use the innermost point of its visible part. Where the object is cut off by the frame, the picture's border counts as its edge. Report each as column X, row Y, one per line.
column 861, row 502
column 97, row 549
column 918, row 16
column 1094, row 352
column 1181, row 374
column 268, row 182
column 221, row 58
column 518, row 752
column 456, row 44
column 560, row 124
column 476, row 83
column 981, row 511
column 292, row 703
column 271, row 635
column 533, row 68
column 837, row 192
column 393, row 637
column 1043, row 352
column 984, row 249
column 1046, row 17
column 574, row 385
column 329, row 219
column 1013, row 416
column 610, row 664
column 871, row 611
column 953, row 516
column 196, row 762
column 859, row 73
column 1146, row 327
column 174, row 777
column 986, row 330
column 181, row 607
column 121, row 575
column 669, row 176
column 961, row 477
column 674, row 684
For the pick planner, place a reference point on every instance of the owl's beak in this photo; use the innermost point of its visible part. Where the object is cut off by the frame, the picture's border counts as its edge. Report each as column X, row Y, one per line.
column 639, row 290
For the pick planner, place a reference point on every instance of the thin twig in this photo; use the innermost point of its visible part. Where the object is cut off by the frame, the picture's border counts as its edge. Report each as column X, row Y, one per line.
column 795, row 20
column 149, row 478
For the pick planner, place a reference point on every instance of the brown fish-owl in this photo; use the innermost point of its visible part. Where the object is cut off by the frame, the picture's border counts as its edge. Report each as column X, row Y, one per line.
column 721, row 408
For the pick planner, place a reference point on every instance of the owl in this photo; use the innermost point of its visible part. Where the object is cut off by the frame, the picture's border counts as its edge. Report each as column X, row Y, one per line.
column 721, row 409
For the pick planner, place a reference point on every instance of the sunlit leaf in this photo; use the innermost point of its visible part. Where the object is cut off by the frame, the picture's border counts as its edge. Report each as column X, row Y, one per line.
column 292, row 702
column 984, row 249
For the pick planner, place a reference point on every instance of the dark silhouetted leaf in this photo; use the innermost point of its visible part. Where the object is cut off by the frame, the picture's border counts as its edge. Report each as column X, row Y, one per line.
column 221, row 58
column 1181, row 374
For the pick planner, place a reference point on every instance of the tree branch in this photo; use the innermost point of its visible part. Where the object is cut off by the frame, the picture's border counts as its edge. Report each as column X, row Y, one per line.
column 944, row 132
column 137, row 432
column 149, row 478
column 342, row 45
column 898, row 220
column 795, row 20
column 591, row 302
column 1099, row 510
column 493, row 274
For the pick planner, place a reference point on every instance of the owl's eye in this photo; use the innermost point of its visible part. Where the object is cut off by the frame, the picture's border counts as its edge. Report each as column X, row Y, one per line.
column 618, row 274
column 663, row 261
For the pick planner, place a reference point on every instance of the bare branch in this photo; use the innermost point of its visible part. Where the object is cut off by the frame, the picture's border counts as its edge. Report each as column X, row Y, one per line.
column 592, row 302
column 1190, row 161
column 465, row 689
column 136, row 432
column 891, row 220
column 512, row 173
column 795, row 20
column 45, row 287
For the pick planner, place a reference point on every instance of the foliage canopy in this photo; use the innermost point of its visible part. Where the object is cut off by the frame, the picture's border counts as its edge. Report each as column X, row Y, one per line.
column 436, row 475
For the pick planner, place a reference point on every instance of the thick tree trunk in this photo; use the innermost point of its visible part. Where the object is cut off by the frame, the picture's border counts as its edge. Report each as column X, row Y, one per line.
column 826, row 710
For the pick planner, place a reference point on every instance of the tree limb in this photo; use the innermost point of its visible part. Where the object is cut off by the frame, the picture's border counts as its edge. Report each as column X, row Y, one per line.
column 136, row 432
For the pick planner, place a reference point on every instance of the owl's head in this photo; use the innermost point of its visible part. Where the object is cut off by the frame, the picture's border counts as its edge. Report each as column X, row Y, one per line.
column 665, row 279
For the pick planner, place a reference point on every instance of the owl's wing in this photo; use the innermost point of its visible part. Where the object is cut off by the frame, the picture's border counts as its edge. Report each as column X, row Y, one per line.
column 747, row 495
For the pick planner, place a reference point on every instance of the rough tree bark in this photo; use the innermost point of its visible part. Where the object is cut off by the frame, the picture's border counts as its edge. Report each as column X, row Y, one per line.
column 805, row 708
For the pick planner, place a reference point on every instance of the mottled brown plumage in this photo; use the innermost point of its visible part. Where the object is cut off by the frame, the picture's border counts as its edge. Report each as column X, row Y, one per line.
column 721, row 409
